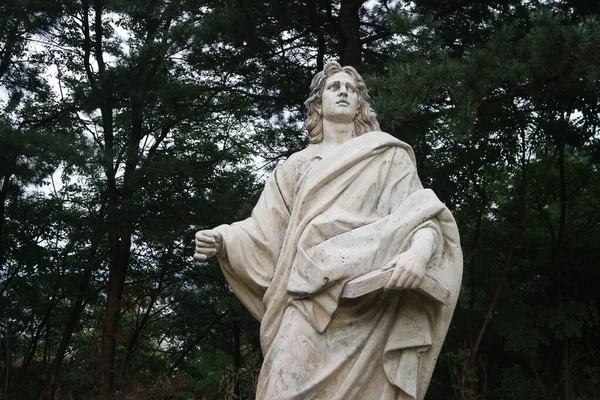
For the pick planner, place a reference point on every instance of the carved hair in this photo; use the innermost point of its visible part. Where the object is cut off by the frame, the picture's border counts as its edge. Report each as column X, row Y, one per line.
column 365, row 120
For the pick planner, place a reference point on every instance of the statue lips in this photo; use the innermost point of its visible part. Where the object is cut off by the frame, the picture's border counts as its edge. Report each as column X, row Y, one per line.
column 342, row 104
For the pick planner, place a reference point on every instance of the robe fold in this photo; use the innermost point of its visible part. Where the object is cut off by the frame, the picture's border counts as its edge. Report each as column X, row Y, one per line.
column 322, row 220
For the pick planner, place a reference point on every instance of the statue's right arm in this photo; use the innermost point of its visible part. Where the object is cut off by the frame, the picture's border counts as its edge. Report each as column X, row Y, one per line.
column 257, row 239
column 209, row 243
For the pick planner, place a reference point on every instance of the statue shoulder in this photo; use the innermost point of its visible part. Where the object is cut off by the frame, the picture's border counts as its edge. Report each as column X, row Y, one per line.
column 298, row 160
column 380, row 138
column 289, row 173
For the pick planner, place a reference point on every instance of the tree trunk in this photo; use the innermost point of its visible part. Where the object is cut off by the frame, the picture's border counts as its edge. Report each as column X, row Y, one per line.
column 316, row 29
column 7, row 362
column 567, row 343
column 9, row 47
column 194, row 343
column 3, row 196
column 350, row 47
column 567, row 361
column 237, row 357
column 120, row 205
column 474, row 259
column 76, row 310
column 121, row 250
column 138, row 330
column 35, row 340
column 120, row 254
column 119, row 232
column 471, row 358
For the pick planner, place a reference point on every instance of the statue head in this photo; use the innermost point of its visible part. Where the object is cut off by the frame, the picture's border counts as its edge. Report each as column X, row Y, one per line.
column 363, row 122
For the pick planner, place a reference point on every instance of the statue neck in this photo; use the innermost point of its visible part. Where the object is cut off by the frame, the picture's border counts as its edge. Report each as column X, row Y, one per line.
column 336, row 133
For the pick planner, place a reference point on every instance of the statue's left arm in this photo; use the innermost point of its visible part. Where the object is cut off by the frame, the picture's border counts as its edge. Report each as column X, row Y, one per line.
column 409, row 266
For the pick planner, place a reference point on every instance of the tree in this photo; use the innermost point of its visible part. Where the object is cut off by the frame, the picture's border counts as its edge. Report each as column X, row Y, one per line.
column 491, row 92
column 126, row 127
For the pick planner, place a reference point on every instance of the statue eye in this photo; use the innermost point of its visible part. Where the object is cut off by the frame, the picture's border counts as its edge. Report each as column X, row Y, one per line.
column 350, row 88
column 334, row 86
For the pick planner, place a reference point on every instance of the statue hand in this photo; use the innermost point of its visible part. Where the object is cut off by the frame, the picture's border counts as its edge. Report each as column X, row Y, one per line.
column 209, row 243
column 409, row 270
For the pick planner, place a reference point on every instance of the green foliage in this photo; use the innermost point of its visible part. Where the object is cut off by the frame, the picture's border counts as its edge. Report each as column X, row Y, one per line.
column 494, row 98
column 171, row 127
column 515, row 384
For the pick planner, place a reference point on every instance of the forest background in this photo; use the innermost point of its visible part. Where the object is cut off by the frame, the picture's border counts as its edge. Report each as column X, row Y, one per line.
column 127, row 125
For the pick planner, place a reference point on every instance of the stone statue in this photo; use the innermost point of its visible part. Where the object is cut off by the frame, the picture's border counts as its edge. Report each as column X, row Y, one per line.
column 348, row 204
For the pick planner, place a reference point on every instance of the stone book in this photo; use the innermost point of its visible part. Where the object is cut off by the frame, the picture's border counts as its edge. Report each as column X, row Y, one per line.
column 377, row 279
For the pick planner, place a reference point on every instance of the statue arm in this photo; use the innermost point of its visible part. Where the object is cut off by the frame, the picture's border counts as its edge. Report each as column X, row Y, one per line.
column 409, row 266
column 250, row 248
column 425, row 242
column 254, row 243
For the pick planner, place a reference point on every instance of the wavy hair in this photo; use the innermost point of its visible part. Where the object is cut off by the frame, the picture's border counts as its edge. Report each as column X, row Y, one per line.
column 365, row 120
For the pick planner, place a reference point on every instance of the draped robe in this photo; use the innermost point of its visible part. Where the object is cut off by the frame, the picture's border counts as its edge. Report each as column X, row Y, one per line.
column 322, row 220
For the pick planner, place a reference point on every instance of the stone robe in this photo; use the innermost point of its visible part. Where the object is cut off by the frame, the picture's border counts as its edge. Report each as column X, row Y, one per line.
column 320, row 221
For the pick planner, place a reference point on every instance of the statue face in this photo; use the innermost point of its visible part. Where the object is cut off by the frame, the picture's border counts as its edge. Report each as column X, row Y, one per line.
column 339, row 100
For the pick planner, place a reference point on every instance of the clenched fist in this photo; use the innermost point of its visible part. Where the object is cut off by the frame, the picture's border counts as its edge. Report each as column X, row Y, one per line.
column 209, row 243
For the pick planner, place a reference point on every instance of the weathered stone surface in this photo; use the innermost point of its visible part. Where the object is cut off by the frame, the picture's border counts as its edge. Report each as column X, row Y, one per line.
column 349, row 204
